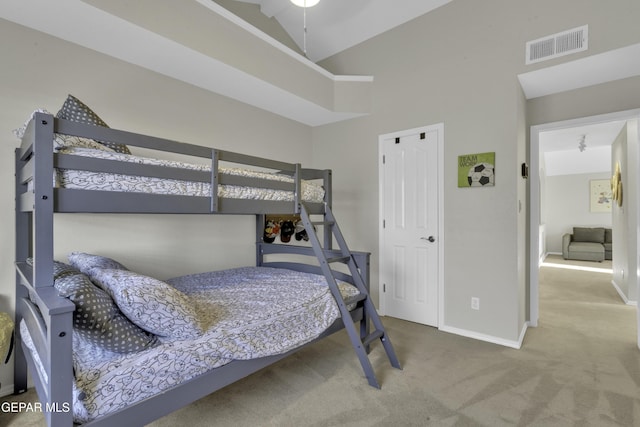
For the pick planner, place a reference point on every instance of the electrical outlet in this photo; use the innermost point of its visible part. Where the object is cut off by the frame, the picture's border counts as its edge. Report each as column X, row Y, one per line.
column 475, row 303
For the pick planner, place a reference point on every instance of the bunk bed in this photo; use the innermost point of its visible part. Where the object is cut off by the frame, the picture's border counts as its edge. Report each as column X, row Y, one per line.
column 45, row 334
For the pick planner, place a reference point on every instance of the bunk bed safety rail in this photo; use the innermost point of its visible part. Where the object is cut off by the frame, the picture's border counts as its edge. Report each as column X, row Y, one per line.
column 99, row 133
column 41, row 125
column 291, row 169
column 34, row 163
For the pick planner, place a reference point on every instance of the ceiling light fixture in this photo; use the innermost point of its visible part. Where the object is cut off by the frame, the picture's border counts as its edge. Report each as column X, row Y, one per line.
column 304, row 4
column 582, row 145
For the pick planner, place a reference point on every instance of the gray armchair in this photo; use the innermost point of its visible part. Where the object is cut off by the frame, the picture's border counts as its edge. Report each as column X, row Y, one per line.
column 588, row 244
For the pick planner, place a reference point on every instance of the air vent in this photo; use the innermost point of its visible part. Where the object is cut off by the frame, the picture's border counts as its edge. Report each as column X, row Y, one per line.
column 556, row 45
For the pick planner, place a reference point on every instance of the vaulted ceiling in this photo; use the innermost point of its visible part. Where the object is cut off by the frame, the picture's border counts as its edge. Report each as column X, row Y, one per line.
column 335, row 25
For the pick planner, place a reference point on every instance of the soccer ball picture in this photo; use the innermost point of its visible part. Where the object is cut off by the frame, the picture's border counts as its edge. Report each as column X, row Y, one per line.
column 481, row 174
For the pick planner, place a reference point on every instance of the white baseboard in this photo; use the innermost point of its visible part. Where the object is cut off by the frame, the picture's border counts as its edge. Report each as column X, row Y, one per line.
column 551, row 253
column 546, row 254
column 488, row 338
column 525, row 327
column 622, row 295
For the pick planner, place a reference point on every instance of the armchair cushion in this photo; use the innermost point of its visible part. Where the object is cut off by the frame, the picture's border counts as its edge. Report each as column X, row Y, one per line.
column 583, row 234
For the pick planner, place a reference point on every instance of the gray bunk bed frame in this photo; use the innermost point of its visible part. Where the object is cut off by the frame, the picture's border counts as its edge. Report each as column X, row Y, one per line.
column 48, row 316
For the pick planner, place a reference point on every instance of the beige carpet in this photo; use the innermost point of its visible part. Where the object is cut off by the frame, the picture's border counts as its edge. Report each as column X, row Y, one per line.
column 580, row 367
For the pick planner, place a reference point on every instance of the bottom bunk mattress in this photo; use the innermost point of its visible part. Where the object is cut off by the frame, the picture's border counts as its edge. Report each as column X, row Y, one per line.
column 246, row 313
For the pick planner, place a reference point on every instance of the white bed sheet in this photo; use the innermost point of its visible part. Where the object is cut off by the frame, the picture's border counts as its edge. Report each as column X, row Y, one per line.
column 247, row 313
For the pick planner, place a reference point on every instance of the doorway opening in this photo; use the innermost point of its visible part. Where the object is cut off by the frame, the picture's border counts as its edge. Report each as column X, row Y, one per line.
column 537, row 227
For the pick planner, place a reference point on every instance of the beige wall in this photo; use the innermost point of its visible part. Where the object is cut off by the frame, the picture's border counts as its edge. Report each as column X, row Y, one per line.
column 459, row 65
column 620, row 95
column 624, row 152
column 39, row 71
column 621, row 270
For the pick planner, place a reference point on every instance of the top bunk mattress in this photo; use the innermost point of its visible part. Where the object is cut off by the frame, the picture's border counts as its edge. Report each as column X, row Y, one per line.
column 105, row 181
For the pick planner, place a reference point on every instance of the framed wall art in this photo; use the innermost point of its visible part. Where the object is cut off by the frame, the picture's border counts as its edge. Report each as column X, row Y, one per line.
column 600, row 195
column 476, row 170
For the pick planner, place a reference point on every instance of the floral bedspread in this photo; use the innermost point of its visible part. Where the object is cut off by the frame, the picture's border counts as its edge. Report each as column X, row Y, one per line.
column 87, row 180
column 246, row 313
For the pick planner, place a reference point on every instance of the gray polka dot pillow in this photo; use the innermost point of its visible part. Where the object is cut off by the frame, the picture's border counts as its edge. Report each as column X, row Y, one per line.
column 61, row 142
column 96, row 317
column 76, row 111
column 153, row 305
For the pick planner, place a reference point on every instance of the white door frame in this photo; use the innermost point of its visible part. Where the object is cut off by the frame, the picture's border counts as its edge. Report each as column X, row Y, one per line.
column 534, row 198
column 440, row 186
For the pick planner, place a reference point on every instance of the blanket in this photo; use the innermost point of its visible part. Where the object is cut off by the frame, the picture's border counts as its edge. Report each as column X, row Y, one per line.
column 6, row 336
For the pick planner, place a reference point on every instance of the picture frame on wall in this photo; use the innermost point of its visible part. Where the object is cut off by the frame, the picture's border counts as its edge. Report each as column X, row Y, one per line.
column 600, row 196
column 476, row 170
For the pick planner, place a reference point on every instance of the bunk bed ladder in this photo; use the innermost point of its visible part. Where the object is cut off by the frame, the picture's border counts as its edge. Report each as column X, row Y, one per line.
column 360, row 341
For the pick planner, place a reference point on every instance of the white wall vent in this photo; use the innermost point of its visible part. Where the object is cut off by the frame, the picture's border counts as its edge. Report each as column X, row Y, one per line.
column 556, row 45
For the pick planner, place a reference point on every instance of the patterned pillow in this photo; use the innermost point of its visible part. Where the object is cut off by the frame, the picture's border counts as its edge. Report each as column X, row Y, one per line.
column 97, row 318
column 59, row 268
column 64, row 142
column 19, row 132
column 153, row 305
column 87, row 262
column 76, row 111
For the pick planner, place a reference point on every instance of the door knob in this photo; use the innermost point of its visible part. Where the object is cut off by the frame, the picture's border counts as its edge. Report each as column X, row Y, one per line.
column 430, row 238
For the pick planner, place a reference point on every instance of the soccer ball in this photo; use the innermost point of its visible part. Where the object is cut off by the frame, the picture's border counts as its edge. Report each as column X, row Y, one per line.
column 480, row 174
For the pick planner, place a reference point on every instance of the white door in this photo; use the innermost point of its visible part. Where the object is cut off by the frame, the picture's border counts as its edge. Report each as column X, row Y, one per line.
column 409, row 251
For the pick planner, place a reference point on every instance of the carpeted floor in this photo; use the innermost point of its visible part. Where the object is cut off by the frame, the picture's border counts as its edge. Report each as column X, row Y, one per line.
column 580, row 367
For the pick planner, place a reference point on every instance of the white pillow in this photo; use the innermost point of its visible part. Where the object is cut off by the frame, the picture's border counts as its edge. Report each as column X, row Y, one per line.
column 153, row 305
